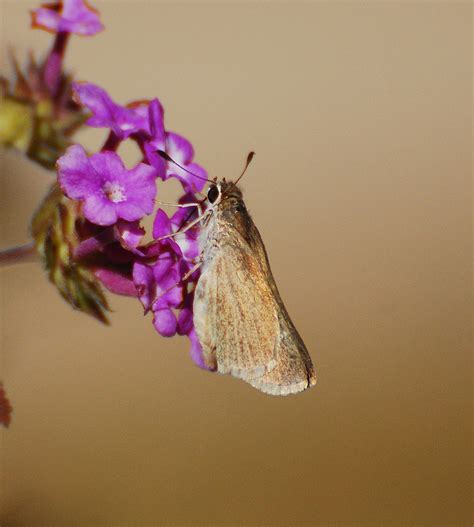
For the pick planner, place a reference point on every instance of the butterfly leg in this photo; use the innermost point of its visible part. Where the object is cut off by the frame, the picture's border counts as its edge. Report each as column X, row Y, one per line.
column 189, row 226
column 195, row 267
column 180, row 205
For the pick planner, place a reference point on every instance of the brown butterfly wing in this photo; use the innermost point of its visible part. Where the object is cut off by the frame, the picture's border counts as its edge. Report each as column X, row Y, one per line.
column 240, row 319
column 294, row 371
column 235, row 316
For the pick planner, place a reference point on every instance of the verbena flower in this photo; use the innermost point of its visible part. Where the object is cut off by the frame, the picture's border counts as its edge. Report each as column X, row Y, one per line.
column 68, row 16
column 177, row 147
column 182, row 151
column 121, row 120
column 109, row 191
column 88, row 228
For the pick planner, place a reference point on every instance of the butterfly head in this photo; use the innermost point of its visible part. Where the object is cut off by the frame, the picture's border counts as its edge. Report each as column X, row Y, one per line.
column 223, row 193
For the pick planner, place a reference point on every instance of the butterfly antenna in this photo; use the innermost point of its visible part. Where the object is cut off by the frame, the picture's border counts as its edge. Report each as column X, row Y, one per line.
column 165, row 156
column 249, row 160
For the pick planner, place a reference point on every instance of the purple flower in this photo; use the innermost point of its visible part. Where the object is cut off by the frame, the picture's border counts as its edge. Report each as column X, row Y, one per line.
column 123, row 121
column 109, row 191
column 157, row 138
column 181, row 151
column 177, row 147
column 113, row 199
column 160, row 290
column 69, row 16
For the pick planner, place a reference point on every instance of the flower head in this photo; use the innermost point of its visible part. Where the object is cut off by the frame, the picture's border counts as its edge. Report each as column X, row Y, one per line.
column 68, row 16
column 109, row 191
column 109, row 200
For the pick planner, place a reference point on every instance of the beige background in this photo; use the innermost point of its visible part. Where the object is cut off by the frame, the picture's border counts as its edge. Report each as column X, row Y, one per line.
column 360, row 114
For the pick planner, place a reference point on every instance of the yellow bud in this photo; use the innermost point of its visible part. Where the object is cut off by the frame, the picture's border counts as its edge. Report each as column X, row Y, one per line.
column 16, row 123
column 44, row 109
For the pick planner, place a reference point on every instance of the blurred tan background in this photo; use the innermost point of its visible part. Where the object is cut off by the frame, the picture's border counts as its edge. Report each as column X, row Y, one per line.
column 360, row 114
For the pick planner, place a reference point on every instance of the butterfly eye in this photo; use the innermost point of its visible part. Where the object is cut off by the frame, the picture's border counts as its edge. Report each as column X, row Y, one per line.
column 213, row 194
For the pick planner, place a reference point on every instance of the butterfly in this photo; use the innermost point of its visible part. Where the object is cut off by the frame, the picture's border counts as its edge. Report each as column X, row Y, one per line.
column 242, row 324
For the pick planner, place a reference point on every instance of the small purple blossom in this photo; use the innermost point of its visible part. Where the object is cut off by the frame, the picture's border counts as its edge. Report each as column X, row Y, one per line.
column 114, row 199
column 160, row 290
column 157, row 138
column 177, row 147
column 109, row 191
column 68, row 16
column 122, row 121
column 182, row 151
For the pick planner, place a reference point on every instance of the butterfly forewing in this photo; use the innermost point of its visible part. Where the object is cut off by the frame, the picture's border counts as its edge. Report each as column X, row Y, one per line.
column 235, row 316
column 242, row 324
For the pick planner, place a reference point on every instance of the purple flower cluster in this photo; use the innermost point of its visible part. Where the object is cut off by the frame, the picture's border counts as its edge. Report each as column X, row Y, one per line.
column 114, row 199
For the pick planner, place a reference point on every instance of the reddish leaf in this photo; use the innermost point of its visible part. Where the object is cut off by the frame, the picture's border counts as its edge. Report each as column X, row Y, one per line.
column 5, row 408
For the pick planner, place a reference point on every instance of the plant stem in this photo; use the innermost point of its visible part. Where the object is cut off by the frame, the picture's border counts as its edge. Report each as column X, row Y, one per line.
column 20, row 254
column 52, row 68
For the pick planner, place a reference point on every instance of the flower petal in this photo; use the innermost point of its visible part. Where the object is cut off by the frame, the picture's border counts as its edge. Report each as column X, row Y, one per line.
column 116, row 282
column 99, row 210
column 155, row 116
column 165, row 322
column 97, row 100
column 179, row 148
column 145, row 284
column 161, row 225
column 131, row 234
column 108, row 114
column 192, row 181
column 109, row 166
column 196, row 352
column 185, row 321
column 76, row 175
